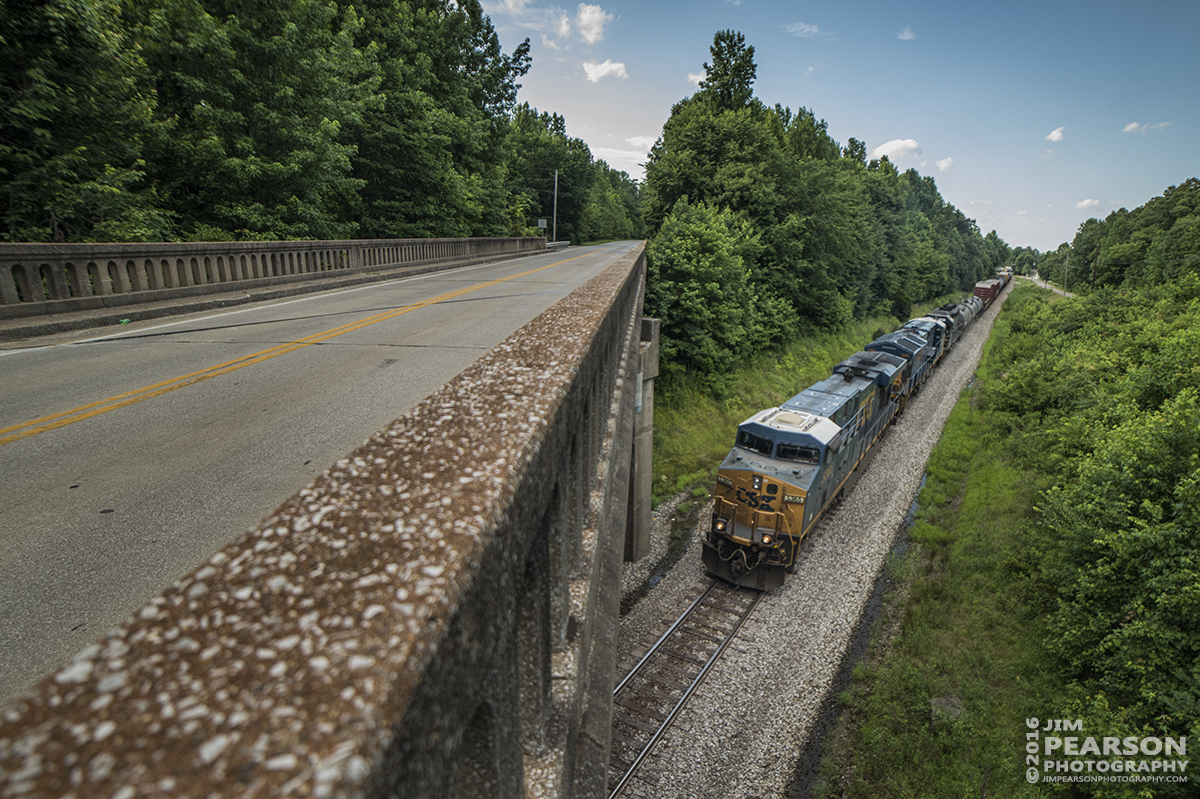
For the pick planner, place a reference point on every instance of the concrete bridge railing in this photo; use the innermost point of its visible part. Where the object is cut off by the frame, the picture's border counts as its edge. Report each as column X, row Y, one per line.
column 49, row 278
column 434, row 616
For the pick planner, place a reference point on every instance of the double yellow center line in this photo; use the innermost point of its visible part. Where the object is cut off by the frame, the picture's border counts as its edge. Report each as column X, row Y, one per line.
column 54, row 421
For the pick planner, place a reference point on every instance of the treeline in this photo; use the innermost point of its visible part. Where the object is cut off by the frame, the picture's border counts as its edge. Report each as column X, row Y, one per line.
column 1101, row 395
column 1148, row 246
column 151, row 120
column 765, row 227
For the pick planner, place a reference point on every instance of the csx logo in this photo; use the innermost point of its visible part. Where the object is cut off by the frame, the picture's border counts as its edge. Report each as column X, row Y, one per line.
column 753, row 499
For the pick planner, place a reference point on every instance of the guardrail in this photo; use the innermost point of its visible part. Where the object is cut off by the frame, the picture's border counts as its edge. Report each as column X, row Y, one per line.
column 51, row 278
column 434, row 616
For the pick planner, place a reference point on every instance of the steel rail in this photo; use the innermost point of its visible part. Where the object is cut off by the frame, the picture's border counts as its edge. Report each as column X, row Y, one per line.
column 657, row 644
column 690, row 690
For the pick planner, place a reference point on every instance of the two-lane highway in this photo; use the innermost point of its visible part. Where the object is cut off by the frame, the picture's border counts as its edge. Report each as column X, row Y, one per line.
column 127, row 459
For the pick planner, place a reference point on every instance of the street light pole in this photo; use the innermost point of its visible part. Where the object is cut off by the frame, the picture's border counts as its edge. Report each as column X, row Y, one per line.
column 556, row 205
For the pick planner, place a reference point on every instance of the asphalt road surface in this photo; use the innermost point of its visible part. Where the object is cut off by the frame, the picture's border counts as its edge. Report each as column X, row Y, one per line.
column 127, row 459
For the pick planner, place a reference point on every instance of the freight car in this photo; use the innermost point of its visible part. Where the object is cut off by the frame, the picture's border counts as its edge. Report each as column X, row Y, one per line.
column 791, row 463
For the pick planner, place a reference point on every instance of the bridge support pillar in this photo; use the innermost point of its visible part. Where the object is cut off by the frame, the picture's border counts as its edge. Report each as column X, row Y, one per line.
column 641, row 484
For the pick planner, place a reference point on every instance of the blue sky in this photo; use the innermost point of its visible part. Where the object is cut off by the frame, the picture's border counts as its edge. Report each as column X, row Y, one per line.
column 1031, row 116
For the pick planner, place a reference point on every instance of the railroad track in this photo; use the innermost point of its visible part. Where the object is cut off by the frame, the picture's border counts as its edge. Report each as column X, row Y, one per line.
column 650, row 697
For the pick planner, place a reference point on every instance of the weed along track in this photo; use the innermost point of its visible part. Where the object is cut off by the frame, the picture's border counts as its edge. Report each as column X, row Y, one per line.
column 651, row 696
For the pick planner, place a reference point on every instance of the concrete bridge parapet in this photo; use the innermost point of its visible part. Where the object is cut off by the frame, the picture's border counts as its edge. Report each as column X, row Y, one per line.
column 434, row 616
column 40, row 279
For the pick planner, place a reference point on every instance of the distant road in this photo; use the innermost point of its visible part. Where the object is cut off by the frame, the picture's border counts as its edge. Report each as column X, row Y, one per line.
column 129, row 458
column 1046, row 285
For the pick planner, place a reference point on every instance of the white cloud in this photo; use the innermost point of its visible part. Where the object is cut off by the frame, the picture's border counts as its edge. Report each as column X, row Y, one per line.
column 897, row 148
column 1134, row 127
column 514, row 7
column 591, row 21
column 945, row 164
column 1087, row 203
column 597, row 71
column 802, row 29
column 551, row 23
column 630, row 161
column 980, row 202
column 906, row 34
column 643, row 142
column 696, row 77
column 1056, row 134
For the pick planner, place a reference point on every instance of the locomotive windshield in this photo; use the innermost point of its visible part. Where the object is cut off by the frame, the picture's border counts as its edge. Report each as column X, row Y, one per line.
column 792, row 452
column 757, row 443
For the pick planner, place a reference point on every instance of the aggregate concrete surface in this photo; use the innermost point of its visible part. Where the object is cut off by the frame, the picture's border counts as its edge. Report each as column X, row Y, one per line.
column 744, row 731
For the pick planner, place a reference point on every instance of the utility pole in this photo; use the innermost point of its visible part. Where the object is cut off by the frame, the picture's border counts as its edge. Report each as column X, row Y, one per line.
column 1067, row 271
column 556, row 205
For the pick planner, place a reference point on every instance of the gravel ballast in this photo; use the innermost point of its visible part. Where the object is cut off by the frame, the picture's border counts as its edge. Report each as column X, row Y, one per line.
column 743, row 732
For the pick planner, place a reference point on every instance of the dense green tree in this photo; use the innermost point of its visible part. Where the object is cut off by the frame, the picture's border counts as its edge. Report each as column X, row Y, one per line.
column 1100, row 395
column 1151, row 245
column 254, row 120
column 1025, row 260
column 76, row 111
column 432, row 155
column 257, row 95
column 699, row 285
column 729, row 79
column 540, row 147
column 839, row 237
column 611, row 209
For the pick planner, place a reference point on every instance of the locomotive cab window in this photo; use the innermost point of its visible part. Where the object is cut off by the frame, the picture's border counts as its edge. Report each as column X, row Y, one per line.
column 757, row 443
column 791, row 452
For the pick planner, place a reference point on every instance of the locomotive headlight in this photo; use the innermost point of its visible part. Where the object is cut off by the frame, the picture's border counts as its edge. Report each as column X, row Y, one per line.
column 758, row 482
column 766, row 539
column 720, row 525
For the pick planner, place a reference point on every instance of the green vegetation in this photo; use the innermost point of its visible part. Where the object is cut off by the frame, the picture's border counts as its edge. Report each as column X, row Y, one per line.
column 150, row 120
column 969, row 635
column 765, row 228
column 1154, row 244
column 1055, row 565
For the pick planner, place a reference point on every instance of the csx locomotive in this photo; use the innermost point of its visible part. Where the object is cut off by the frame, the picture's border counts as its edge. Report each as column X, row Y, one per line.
column 789, row 464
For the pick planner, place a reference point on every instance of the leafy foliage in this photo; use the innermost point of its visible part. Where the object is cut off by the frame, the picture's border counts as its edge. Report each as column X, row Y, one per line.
column 1154, row 244
column 594, row 201
column 76, row 111
column 839, row 238
column 212, row 119
column 1101, row 394
column 699, row 281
